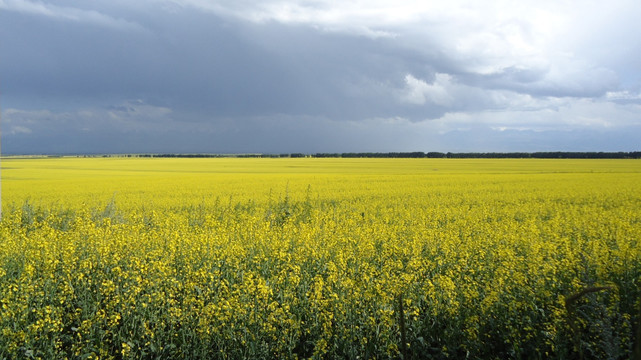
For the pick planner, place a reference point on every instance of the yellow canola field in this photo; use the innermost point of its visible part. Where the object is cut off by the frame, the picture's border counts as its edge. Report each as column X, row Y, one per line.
column 149, row 258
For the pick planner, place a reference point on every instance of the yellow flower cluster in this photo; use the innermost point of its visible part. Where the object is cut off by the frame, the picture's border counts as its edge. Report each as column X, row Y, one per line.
column 124, row 258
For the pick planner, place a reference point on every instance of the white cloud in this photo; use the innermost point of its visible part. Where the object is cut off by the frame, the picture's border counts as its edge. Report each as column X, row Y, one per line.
column 526, row 66
column 558, row 115
column 455, row 97
column 548, row 38
column 19, row 130
column 624, row 96
column 489, row 31
column 67, row 14
column 420, row 92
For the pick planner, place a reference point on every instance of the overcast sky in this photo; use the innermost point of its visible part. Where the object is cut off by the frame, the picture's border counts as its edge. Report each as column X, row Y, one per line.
column 270, row 76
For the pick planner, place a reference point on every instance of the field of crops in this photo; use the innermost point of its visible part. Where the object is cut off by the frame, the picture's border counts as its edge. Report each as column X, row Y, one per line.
column 128, row 258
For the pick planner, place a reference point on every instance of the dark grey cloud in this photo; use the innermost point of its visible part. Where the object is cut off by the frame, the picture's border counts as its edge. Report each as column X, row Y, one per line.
column 213, row 76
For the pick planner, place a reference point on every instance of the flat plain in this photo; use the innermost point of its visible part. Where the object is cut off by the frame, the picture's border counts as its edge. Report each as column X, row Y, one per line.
column 225, row 258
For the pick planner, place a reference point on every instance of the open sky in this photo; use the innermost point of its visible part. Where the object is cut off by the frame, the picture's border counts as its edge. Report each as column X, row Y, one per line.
column 272, row 76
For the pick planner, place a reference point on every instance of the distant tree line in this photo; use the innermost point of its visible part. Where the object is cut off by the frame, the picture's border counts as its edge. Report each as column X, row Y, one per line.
column 419, row 154
column 182, row 155
column 495, row 155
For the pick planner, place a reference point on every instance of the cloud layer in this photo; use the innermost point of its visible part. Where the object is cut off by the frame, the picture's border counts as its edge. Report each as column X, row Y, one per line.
column 302, row 76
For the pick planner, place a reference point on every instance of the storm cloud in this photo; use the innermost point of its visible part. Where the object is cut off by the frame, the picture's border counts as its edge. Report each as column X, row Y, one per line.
column 321, row 76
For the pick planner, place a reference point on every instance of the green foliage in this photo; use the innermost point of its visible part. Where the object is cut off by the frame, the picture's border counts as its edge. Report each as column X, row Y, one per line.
column 396, row 262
